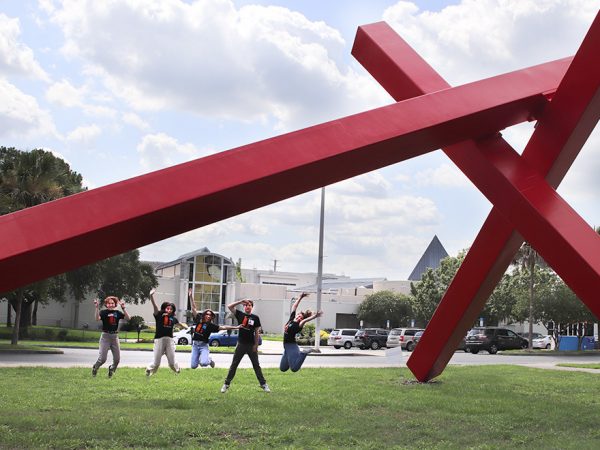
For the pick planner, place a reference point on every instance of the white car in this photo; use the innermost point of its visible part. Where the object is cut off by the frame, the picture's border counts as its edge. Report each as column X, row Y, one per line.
column 545, row 342
column 183, row 337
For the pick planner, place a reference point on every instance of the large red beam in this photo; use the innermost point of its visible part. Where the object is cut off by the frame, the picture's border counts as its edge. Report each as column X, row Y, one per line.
column 509, row 182
column 58, row 236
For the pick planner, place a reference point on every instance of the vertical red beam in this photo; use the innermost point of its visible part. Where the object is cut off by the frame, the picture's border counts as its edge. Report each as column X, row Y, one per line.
column 403, row 73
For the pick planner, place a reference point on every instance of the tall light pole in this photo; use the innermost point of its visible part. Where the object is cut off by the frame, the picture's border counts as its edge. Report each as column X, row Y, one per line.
column 320, row 271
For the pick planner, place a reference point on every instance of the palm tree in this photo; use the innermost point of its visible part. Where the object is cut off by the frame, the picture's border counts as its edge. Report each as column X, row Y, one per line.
column 28, row 179
column 527, row 258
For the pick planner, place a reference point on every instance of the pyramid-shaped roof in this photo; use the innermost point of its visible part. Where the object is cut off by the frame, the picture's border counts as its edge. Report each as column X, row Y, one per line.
column 434, row 253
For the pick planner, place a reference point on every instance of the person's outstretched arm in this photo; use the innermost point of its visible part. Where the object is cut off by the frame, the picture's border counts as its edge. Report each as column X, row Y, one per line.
column 297, row 302
column 96, row 304
column 153, row 301
column 193, row 303
column 308, row 319
column 229, row 327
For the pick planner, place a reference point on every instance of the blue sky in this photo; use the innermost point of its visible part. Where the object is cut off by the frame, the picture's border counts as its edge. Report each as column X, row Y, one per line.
column 121, row 88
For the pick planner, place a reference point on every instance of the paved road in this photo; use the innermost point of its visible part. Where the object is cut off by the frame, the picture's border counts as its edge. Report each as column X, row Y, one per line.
column 272, row 354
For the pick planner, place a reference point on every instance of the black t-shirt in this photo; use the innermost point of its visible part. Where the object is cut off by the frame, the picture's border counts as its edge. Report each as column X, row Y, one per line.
column 164, row 325
column 291, row 329
column 110, row 320
column 249, row 323
column 201, row 331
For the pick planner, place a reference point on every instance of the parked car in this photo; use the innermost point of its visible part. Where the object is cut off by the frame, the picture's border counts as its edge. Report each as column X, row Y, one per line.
column 525, row 335
column 226, row 338
column 372, row 338
column 417, row 337
column 493, row 339
column 545, row 342
column 402, row 337
column 342, row 337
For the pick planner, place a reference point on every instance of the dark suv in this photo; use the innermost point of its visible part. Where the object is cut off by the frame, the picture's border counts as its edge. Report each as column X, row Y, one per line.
column 372, row 338
column 493, row 339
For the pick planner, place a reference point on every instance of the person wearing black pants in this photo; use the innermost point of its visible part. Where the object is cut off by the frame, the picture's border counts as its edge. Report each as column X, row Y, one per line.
column 247, row 343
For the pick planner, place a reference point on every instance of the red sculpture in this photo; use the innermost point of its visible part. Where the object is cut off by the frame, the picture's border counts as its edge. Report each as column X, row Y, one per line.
column 515, row 185
column 58, row 236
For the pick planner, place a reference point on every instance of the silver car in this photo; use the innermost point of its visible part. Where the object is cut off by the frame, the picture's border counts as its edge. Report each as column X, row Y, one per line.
column 402, row 337
column 342, row 338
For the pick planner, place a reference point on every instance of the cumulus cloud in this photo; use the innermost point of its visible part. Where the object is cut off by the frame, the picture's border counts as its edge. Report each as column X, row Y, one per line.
column 476, row 39
column 254, row 63
column 16, row 57
column 445, row 175
column 20, row 114
column 84, row 135
column 135, row 120
column 160, row 150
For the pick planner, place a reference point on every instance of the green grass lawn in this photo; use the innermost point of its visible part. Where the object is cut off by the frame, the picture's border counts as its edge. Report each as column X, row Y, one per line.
column 467, row 407
column 581, row 366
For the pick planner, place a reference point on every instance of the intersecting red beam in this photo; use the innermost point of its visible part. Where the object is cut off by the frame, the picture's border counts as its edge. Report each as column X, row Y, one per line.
column 403, row 73
column 54, row 237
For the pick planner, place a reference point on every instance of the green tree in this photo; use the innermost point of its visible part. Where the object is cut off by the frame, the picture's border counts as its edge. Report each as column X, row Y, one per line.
column 427, row 293
column 124, row 276
column 501, row 304
column 28, row 179
column 379, row 307
column 563, row 308
column 528, row 259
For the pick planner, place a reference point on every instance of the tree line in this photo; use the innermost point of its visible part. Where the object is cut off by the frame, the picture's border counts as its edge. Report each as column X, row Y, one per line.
column 29, row 178
column 528, row 291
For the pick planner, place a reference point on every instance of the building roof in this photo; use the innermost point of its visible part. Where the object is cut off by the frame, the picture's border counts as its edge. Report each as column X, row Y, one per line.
column 434, row 253
column 336, row 285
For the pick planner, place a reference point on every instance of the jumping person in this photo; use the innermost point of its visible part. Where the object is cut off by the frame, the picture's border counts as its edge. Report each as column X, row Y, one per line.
column 293, row 357
column 109, row 339
column 247, row 343
column 163, row 337
column 201, row 331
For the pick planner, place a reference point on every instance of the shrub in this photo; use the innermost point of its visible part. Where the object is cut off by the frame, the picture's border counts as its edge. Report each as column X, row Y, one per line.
column 133, row 323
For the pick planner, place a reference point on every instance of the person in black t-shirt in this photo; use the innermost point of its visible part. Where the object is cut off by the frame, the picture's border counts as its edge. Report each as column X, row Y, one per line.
column 247, row 343
column 109, row 339
column 293, row 357
column 163, row 337
column 201, row 331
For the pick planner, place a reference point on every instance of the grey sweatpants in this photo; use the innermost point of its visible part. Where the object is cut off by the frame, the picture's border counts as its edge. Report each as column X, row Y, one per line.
column 164, row 346
column 109, row 341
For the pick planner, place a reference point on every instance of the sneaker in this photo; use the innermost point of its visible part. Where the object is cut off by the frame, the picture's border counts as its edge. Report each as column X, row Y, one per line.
column 111, row 371
column 309, row 350
column 212, row 364
column 94, row 371
column 148, row 372
column 224, row 388
column 265, row 387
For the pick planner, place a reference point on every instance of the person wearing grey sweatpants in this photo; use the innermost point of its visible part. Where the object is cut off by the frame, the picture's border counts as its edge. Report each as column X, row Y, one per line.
column 109, row 339
column 163, row 337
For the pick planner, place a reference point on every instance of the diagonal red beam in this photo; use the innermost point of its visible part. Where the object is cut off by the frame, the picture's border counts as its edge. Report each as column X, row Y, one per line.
column 403, row 73
column 102, row 222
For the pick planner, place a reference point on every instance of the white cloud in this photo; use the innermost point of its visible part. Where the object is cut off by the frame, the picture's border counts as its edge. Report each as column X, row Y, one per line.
column 252, row 64
column 476, row 39
column 63, row 93
column 21, row 115
column 16, row 57
column 135, row 120
column 445, row 175
column 160, row 150
column 84, row 135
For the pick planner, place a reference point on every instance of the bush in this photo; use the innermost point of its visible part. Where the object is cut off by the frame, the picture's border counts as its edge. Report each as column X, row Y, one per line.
column 133, row 323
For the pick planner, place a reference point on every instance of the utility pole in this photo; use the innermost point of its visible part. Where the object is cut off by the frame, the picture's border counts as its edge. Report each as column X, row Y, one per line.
column 320, row 271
